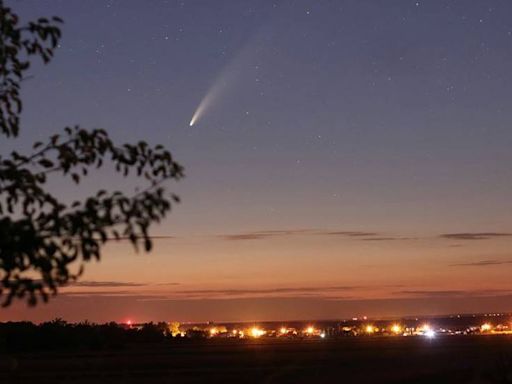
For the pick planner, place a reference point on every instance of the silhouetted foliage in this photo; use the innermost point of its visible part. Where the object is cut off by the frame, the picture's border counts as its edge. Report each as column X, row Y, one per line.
column 41, row 236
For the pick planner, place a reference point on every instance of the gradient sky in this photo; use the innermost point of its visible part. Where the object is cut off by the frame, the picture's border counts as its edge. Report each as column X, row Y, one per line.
column 354, row 157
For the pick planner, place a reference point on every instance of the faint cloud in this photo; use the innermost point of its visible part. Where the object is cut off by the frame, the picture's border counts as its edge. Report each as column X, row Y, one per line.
column 388, row 238
column 454, row 293
column 380, row 239
column 126, row 238
column 259, row 235
column 474, row 235
column 303, row 296
column 245, row 236
column 177, row 294
column 112, row 293
column 281, row 290
column 351, row 233
column 482, row 263
column 115, row 284
column 323, row 291
column 358, row 235
column 97, row 293
column 105, row 284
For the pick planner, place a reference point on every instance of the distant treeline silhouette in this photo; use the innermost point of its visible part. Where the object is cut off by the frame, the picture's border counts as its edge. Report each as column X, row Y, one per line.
column 60, row 335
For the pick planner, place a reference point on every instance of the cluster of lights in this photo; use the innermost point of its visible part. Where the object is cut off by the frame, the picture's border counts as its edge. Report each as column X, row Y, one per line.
column 310, row 331
column 238, row 333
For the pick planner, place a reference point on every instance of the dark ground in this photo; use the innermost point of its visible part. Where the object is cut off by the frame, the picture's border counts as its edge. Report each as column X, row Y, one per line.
column 448, row 359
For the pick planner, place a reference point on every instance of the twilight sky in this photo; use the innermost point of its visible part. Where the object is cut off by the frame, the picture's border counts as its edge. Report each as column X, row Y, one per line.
column 347, row 157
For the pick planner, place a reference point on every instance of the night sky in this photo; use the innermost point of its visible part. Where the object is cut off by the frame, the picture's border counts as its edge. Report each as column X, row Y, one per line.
column 347, row 157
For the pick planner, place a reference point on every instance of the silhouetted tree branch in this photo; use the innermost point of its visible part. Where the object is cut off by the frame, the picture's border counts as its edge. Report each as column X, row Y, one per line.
column 41, row 237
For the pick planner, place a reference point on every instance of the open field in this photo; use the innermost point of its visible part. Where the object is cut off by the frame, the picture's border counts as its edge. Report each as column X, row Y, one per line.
column 464, row 359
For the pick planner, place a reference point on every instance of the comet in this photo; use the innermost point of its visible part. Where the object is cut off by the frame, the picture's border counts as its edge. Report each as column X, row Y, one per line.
column 213, row 94
column 231, row 71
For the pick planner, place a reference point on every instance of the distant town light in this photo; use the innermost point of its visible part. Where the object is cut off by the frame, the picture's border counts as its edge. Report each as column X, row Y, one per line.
column 283, row 331
column 430, row 334
column 486, row 327
column 396, row 329
column 370, row 329
column 310, row 330
column 257, row 332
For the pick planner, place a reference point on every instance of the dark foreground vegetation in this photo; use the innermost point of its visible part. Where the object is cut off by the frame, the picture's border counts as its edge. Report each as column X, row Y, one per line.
column 60, row 335
column 111, row 354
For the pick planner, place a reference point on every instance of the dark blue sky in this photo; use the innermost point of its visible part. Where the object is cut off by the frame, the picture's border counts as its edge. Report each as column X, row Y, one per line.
column 391, row 117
